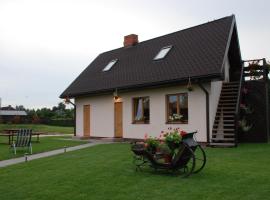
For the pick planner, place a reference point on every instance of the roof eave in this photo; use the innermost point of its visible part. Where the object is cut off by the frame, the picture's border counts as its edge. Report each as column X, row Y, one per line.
column 233, row 26
column 195, row 79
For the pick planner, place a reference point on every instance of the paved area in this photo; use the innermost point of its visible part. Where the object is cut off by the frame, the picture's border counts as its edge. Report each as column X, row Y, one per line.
column 13, row 161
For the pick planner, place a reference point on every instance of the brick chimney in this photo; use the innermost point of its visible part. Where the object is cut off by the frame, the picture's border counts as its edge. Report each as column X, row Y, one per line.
column 130, row 40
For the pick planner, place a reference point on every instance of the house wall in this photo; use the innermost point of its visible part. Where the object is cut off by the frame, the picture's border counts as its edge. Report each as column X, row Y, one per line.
column 214, row 94
column 102, row 113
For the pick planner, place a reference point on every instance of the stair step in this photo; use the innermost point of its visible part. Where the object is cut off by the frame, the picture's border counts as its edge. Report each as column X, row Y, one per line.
column 230, row 86
column 223, row 139
column 227, row 100
column 224, row 134
column 231, row 83
column 227, row 120
column 229, row 89
column 230, row 106
column 228, row 97
column 224, row 125
column 226, row 116
column 227, row 85
column 225, row 112
column 227, row 129
column 227, row 104
column 213, row 144
column 226, row 108
column 228, row 92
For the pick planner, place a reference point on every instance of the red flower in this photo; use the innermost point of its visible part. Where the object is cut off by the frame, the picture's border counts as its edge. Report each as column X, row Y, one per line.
column 182, row 133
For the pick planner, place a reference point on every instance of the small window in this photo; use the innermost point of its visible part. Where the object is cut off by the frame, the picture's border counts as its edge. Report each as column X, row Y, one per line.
column 109, row 65
column 177, row 108
column 141, row 110
column 163, row 52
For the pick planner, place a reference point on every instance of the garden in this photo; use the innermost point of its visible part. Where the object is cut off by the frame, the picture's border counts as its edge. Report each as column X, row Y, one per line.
column 47, row 143
column 107, row 172
column 174, row 150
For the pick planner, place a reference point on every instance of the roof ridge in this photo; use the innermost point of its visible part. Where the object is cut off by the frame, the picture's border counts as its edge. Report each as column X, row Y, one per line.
column 185, row 29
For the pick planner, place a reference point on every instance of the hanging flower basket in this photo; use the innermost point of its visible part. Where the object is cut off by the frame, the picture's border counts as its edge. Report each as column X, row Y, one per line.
column 189, row 85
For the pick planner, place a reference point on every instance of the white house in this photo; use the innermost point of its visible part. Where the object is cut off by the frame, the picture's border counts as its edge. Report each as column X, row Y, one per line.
column 182, row 79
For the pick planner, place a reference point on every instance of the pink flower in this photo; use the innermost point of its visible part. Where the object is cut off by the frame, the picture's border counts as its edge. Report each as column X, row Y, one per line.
column 245, row 90
column 242, row 105
column 145, row 136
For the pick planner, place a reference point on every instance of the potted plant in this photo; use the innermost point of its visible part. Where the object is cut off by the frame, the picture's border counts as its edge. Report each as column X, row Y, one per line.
column 244, row 125
column 189, row 85
column 173, row 138
column 246, row 108
column 151, row 144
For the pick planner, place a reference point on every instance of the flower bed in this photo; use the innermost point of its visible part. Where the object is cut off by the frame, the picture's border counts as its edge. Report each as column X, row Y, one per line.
column 166, row 144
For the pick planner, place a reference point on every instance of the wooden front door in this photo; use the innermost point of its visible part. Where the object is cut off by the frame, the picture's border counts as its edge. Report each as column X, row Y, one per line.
column 86, row 120
column 118, row 119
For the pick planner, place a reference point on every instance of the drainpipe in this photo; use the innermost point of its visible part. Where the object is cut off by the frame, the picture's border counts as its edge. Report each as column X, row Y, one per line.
column 74, row 120
column 207, row 112
column 67, row 100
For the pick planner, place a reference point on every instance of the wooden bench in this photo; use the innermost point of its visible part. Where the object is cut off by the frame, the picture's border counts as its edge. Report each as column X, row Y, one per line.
column 11, row 135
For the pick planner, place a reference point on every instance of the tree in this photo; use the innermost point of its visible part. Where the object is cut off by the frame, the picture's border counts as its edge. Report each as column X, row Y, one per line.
column 20, row 107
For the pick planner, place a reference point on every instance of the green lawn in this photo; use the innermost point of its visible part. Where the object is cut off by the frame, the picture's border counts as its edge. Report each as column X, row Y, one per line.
column 39, row 127
column 106, row 172
column 45, row 144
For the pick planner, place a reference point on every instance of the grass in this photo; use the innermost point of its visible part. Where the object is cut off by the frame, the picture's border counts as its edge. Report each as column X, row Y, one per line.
column 45, row 144
column 106, row 172
column 39, row 127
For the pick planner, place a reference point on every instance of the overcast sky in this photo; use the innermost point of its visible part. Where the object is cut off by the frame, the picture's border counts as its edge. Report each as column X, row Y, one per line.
column 45, row 44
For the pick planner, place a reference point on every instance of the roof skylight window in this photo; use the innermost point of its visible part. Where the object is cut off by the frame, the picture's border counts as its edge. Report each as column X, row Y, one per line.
column 163, row 52
column 110, row 65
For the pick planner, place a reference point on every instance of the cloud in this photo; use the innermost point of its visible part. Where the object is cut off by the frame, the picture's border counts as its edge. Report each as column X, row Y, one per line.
column 44, row 45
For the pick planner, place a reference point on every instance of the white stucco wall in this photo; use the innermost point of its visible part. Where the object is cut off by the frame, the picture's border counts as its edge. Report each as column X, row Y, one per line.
column 196, row 113
column 214, row 95
column 102, row 113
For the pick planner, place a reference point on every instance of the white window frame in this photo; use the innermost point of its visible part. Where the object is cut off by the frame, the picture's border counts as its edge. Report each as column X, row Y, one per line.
column 110, row 65
column 163, row 52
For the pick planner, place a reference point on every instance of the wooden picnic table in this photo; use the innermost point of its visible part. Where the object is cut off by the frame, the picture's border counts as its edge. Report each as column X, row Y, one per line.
column 10, row 133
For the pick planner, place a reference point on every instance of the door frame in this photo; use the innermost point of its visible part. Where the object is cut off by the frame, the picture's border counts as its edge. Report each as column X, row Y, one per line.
column 116, row 134
column 86, row 119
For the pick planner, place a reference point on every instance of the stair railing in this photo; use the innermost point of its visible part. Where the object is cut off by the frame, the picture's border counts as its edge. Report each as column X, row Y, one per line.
column 239, row 98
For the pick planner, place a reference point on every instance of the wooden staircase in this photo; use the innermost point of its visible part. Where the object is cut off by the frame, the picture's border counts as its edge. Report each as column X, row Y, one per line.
column 223, row 132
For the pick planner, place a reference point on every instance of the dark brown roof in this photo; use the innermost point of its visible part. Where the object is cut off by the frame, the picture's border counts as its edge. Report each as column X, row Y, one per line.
column 197, row 52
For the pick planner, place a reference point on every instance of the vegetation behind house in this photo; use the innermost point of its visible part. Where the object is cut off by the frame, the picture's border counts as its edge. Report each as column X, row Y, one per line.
column 58, row 115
